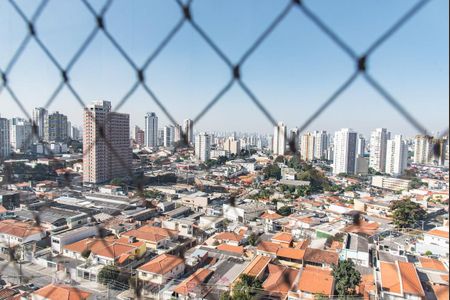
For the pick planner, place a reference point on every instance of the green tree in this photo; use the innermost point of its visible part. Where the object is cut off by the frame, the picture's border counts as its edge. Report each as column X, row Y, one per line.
column 117, row 182
column 108, row 273
column 285, row 211
column 406, row 213
column 415, row 183
column 347, row 278
column 428, row 253
column 246, row 288
column 272, row 171
column 253, row 239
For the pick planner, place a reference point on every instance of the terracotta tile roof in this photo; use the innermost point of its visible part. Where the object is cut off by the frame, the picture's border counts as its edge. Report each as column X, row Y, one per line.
column 432, row 264
column 321, row 256
column 271, row 216
column 283, row 237
column 280, row 280
column 150, row 233
column 336, row 245
column 162, row 264
column 268, row 247
column 18, row 228
column 441, row 292
column 230, row 248
column 62, row 292
column 291, row 253
column 316, row 280
column 439, row 233
column 193, row 281
column 410, row 279
column 228, row 236
column 302, row 244
column 366, row 286
column 106, row 247
column 390, row 280
column 400, row 278
column 257, row 266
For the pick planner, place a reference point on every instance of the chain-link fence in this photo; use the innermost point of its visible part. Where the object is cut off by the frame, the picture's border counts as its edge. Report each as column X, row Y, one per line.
column 187, row 19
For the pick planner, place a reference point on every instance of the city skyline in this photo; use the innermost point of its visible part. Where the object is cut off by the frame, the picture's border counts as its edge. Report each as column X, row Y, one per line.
column 289, row 75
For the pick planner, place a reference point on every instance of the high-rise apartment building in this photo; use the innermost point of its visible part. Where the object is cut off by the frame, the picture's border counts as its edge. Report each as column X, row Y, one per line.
column 20, row 134
column 39, row 117
column 378, row 144
column 169, row 136
column 203, row 147
column 232, row 146
column 5, row 147
column 188, row 130
column 106, row 143
column 320, row 144
column 307, row 146
column 361, row 146
column 294, row 138
column 279, row 139
column 55, row 128
column 396, row 156
column 139, row 136
column 344, row 159
column 151, row 130
column 177, row 134
column 423, row 149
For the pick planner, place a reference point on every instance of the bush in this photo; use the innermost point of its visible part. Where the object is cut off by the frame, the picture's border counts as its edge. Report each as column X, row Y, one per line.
column 108, row 273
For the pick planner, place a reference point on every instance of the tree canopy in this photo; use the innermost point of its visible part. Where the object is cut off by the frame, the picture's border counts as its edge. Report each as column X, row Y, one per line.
column 347, row 278
column 406, row 213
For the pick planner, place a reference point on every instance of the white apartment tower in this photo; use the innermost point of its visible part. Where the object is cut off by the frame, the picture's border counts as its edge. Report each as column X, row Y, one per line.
column 20, row 134
column 361, row 146
column 203, row 147
column 106, row 143
column 396, row 156
column 169, row 136
column 151, row 130
column 232, row 145
column 5, row 148
column 423, row 149
column 378, row 143
column 320, row 144
column 307, row 146
column 279, row 139
column 344, row 159
column 39, row 117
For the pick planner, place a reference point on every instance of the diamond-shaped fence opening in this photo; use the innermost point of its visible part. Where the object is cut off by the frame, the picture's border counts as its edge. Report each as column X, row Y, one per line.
column 236, row 70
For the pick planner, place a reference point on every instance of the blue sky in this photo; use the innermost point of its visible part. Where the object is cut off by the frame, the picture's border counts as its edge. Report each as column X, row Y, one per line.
column 293, row 72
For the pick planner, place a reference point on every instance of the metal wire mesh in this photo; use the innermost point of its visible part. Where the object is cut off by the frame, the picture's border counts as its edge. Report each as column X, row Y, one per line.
column 187, row 19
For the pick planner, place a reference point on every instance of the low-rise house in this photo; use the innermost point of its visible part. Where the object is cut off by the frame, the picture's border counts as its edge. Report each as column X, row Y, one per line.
column 70, row 236
column 356, row 248
column 243, row 213
column 106, row 251
column 435, row 240
column 284, row 239
column 161, row 269
column 313, row 281
column 193, row 287
column 258, row 267
column 61, row 292
column 154, row 237
column 266, row 248
column 269, row 220
column 320, row 258
column 280, row 281
column 399, row 280
column 292, row 257
column 229, row 248
column 14, row 233
column 229, row 238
